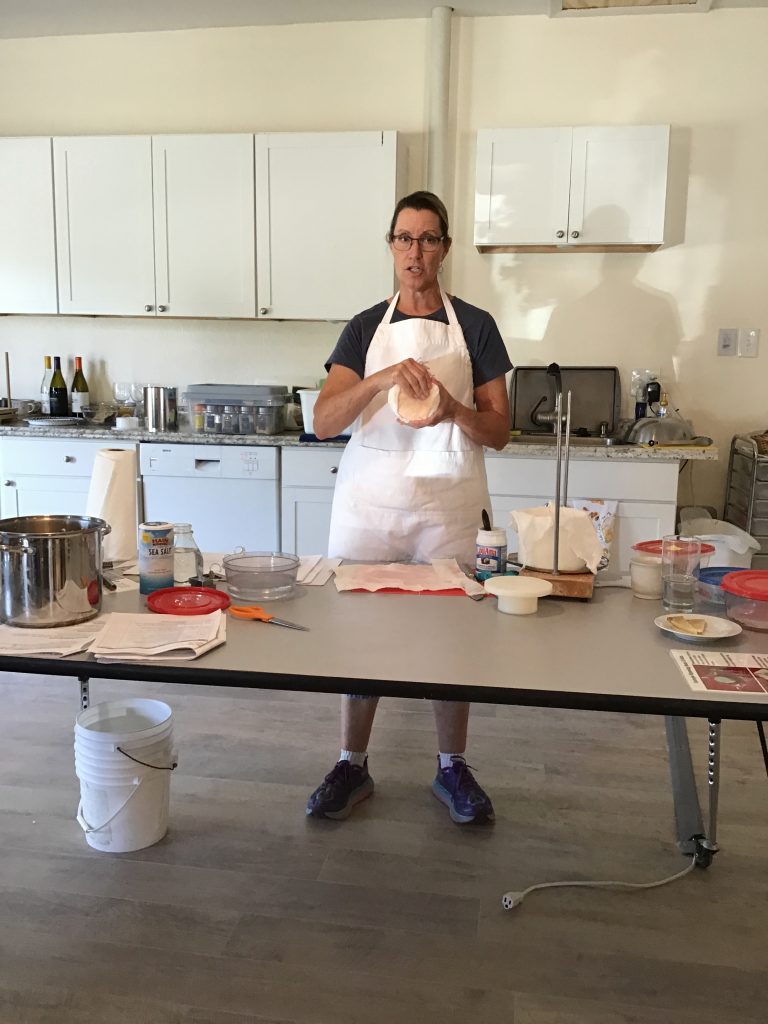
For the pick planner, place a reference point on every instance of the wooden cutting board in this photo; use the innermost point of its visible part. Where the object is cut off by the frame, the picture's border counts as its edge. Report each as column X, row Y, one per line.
column 566, row 584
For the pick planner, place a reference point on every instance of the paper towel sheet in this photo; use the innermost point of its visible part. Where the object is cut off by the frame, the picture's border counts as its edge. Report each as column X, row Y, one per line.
column 112, row 497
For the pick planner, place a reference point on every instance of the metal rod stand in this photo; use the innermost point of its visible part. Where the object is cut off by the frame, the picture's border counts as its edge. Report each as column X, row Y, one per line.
column 561, row 471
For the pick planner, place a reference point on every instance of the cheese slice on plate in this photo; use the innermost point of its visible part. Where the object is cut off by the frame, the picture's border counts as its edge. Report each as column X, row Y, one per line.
column 687, row 624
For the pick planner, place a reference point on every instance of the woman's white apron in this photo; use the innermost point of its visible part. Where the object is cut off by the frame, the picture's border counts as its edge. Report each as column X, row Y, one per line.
column 405, row 494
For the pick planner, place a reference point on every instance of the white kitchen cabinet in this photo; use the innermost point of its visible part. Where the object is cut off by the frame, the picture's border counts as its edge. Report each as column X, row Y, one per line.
column 323, row 206
column 308, row 479
column 155, row 226
column 568, row 188
column 27, row 244
column 204, row 232
column 646, row 496
column 47, row 476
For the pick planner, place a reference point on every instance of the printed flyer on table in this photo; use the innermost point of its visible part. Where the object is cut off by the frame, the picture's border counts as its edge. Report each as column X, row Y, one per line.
column 735, row 673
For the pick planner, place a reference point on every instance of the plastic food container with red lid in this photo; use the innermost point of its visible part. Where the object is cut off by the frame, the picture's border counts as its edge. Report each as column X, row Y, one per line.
column 746, row 598
column 653, row 548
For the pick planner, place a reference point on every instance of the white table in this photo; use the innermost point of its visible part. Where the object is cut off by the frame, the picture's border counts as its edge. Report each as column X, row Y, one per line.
column 600, row 655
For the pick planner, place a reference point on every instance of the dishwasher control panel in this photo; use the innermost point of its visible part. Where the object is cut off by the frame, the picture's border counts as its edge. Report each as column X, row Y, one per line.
column 227, row 462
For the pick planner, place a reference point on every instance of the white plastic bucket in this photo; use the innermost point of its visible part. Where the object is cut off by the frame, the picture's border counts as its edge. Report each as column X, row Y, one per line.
column 308, row 397
column 124, row 757
column 733, row 546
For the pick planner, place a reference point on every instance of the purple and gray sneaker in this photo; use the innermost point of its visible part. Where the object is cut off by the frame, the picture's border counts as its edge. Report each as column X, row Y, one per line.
column 457, row 788
column 344, row 786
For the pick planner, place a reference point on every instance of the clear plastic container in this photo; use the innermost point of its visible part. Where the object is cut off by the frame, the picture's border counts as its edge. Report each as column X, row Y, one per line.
column 187, row 556
column 746, row 598
column 709, row 590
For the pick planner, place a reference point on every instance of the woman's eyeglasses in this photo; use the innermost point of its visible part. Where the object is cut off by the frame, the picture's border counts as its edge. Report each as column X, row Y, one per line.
column 427, row 243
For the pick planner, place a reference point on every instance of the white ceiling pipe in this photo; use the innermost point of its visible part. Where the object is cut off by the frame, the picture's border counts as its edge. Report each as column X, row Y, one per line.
column 439, row 90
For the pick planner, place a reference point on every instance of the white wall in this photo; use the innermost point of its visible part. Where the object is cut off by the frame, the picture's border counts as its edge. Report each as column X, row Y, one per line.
column 706, row 75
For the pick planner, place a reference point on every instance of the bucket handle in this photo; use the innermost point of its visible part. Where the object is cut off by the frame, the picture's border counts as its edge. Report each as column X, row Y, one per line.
column 158, row 767
column 97, row 828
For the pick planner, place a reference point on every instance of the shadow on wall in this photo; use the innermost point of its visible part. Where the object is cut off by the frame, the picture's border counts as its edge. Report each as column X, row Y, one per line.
column 619, row 321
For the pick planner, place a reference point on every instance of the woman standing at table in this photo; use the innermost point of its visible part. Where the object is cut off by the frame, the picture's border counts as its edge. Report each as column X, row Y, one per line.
column 415, row 491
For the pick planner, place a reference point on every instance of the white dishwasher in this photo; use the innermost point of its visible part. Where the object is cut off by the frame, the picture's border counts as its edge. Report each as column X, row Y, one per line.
column 229, row 493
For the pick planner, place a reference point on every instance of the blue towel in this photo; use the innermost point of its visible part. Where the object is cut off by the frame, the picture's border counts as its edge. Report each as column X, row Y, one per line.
column 313, row 437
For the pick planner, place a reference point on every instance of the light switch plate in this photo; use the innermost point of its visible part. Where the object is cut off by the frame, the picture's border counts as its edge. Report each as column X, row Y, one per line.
column 749, row 341
column 727, row 341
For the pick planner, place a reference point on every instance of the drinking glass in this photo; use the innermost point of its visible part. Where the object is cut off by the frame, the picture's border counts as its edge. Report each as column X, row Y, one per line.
column 680, row 560
column 126, row 405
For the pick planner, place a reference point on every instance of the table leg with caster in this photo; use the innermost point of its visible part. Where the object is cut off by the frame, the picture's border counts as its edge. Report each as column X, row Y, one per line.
column 706, row 846
column 691, row 836
column 85, row 698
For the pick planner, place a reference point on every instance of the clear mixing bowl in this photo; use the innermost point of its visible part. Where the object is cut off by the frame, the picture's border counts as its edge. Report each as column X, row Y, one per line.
column 255, row 576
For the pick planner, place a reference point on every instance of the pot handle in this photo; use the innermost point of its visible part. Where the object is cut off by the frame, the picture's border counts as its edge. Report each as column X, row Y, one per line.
column 106, row 529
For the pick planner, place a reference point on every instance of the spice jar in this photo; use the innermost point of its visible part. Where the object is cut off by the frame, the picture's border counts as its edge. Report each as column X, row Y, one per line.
column 213, row 419
column 198, row 418
column 230, row 420
column 246, row 419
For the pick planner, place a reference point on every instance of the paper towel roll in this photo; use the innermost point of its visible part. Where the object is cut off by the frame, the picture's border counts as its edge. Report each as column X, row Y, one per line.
column 112, row 496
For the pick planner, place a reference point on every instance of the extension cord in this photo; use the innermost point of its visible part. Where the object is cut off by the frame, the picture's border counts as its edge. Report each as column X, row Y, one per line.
column 510, row 900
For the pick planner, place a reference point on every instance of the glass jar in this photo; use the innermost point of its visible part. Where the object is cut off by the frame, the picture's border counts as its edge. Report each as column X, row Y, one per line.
column 212, row 419
column 187, row 557
column 230, row 420
column 198, row 418
column 246, row 419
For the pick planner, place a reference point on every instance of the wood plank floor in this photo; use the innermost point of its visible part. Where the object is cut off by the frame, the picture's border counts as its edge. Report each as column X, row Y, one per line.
column 249, row 912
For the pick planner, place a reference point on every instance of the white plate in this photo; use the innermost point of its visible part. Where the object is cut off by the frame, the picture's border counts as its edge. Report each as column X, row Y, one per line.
column 57, row 421
column 715, row 628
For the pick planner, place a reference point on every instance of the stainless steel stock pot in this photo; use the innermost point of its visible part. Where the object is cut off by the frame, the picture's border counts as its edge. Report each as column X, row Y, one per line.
column 50, row 569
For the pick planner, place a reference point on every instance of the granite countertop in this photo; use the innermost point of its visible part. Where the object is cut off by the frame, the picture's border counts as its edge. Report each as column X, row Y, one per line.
column 515, row 449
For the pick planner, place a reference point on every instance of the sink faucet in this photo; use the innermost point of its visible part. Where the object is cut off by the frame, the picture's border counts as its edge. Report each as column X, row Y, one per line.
column 550, row 417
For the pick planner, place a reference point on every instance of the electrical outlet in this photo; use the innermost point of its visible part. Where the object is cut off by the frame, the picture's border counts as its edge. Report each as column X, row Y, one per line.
column 727, row 341
column 749, row 341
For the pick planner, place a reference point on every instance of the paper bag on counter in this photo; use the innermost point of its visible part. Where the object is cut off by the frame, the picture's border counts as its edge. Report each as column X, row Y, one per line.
column 579, row 547
column 112, row 497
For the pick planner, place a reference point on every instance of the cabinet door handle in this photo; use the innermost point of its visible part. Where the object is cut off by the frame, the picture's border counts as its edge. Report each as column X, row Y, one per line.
column 70, row 458
column 161, row 309
column 334, row 469
column 148, row 309
column 264, row 310
column 559, row 234
column 574, row 234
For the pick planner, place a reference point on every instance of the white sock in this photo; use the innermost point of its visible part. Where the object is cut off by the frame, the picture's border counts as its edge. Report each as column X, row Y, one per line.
column 356, row 757
column 446, row 760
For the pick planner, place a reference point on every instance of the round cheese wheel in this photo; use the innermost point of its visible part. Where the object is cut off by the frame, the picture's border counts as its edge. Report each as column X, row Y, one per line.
column 410, row 409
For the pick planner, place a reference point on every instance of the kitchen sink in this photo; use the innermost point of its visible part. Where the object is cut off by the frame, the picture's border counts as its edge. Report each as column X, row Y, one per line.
column 576, row 441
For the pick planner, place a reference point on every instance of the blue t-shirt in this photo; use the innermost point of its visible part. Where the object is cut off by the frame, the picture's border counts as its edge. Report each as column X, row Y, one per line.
column 487, row 352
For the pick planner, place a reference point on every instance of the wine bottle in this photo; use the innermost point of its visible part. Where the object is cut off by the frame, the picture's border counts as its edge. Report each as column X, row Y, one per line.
column 81, row 398
column 58, row 390
column 45, row 388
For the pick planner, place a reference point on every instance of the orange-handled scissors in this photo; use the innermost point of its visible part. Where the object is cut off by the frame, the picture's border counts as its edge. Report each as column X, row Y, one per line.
column 253, row 611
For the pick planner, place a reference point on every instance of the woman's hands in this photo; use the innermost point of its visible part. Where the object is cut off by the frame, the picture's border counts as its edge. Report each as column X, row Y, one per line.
column 412, row 376
column 486, row 424
column 446, row 408
column 344, row 395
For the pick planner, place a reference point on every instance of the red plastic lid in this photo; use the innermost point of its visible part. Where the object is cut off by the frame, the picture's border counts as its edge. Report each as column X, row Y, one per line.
column 187, row 601
column 751, row 583
column 653, row 547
